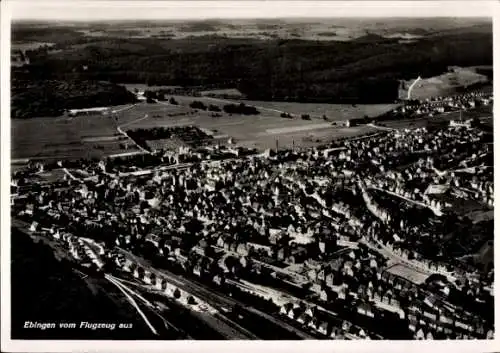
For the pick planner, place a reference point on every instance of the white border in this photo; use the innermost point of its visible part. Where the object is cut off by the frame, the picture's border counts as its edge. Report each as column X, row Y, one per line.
column 232, row 9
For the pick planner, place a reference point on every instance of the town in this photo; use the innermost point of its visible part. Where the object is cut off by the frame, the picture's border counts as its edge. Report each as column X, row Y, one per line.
column 382, row 236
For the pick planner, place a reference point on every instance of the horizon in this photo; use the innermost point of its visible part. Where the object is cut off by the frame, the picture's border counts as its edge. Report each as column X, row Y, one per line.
column 257, row 19
column 92, row 11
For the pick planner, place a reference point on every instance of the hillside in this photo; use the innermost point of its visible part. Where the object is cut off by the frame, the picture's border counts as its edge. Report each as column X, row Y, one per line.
column 46, row 290
column 367, row 69
column 34, row 98
column 449, row 83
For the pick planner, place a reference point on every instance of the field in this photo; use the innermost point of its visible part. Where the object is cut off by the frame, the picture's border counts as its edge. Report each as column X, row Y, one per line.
column 319, row 29
column 64, row 137
column 446, row 84
column 24, row 46
column 260, row 131
column 97, row 136
column 482, row 112
column 142, row 87
column 334, row 112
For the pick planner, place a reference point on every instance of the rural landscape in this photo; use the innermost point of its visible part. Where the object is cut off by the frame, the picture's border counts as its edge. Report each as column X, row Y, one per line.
column 290, row 179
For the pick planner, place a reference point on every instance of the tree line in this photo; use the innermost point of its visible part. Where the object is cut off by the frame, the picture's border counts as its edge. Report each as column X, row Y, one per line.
column 366, row 70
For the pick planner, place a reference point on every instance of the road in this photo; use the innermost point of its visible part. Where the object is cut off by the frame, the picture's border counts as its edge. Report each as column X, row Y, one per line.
column 436, row 211
column 119, row 129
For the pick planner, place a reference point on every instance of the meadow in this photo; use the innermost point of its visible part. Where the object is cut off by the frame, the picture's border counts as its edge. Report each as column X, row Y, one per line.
column 448, row 83
column 65, row 137
column 97, row 136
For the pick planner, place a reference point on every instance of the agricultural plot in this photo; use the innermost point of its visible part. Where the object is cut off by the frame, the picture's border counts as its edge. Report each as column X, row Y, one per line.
column 259, row 131
column 63, row 137
column 142, row 87
column 24, row 46
column 334, row 112
column 445, row 84
column 97, row 136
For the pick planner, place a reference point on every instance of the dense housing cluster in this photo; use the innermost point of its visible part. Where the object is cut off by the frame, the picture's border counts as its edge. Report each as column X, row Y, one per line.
column 355, row 239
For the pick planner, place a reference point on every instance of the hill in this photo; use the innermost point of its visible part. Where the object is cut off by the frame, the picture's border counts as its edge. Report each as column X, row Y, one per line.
column 449, row 83
column 364, row 70
column 47, row 290
column 35, row 98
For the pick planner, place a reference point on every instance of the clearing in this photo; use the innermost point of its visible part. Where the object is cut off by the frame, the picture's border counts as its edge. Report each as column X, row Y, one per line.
column 446, row 84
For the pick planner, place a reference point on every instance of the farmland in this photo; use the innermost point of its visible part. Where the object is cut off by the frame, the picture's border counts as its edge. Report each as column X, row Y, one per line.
column 445, row 84
column 260, row 131
column 334, row 112
column 96, row 136
column 64, row 137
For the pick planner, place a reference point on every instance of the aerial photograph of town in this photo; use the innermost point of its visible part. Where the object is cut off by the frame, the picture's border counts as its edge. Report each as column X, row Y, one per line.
column 252, row 179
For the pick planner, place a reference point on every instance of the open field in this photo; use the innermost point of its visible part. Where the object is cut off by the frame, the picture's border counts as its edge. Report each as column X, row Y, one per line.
column 260, row 131
column 96, row 136
column 64, row 137
column 446, row 84
column 334, row 112
column 483, row 112
column 142, row 87
column 23, row 46
column 319, row 29
column 55, row 175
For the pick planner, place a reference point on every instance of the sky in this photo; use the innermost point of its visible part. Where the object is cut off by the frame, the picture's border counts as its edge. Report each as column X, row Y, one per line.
column 180, row 10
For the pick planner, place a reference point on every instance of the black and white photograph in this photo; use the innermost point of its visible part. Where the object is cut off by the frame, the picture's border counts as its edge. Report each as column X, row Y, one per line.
column 252, row 171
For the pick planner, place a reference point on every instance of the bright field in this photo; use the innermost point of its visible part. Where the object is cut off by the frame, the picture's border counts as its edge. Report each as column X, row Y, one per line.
column 334, row 112
column 97, row 136
column 259, row 131
column 64, row 137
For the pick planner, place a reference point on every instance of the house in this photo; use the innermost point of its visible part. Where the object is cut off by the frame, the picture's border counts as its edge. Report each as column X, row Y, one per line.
column 412, row 322
column 420, row 335
column 324, row 328
column 242, row 249
column 321, row 275
column 34, row 226
column 304, row 319
column 431, row 301
column 312, row 274
column 430, row 314
column 285, row 308
column 325, row 294
column 314, row 323
column 218, row 279
column 330, row 278
column 295, row 313
column 366, row 309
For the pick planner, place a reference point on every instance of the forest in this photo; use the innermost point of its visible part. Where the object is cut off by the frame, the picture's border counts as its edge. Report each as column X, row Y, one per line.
column 364, row 70
column 36, row 98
